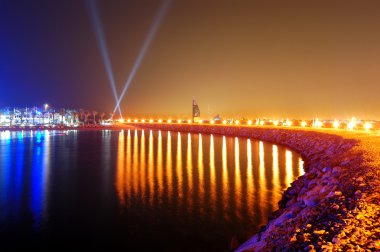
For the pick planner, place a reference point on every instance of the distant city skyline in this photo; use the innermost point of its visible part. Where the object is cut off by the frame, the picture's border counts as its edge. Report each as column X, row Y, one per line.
column 239, row 59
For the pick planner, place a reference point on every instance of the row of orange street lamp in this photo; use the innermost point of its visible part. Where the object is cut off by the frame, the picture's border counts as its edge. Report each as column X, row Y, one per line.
column 315, row 123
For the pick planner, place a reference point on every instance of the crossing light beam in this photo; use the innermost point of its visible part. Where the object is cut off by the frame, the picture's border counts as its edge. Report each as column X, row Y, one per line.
column 100, row 38
column 148, row 40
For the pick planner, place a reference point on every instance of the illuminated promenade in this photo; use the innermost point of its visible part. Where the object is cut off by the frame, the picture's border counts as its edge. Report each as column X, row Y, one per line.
column 333, row 205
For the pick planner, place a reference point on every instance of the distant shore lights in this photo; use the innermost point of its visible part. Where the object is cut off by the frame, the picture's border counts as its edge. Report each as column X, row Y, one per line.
column 317, row 123
column 43, row 118
column 352, row 124
column 336, row 124
column 288, row 123
column 367, row 125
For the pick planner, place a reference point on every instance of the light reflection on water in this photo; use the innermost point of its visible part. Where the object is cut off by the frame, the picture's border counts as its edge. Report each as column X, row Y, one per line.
column 12, row 175
column 237, row 182
column 207, row 187
column 40, row 178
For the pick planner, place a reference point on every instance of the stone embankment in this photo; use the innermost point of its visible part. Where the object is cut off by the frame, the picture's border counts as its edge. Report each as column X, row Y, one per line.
column 334, row 206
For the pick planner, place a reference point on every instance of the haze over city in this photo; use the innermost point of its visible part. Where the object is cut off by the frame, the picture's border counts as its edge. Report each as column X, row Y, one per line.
column 296, row 59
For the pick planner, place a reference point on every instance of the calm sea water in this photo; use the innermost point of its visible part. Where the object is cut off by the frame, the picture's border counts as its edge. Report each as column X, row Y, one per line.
column 133, row 189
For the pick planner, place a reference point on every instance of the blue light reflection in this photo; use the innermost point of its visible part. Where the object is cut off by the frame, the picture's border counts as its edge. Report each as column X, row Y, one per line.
column 39, row 177
column 21, row 158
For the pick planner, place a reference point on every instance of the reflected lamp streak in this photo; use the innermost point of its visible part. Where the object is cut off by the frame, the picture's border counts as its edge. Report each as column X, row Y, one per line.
column 148, row 40
column 100, row 38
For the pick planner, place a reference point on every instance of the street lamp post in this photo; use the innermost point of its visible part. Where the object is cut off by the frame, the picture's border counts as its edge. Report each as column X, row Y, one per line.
column 46, row 106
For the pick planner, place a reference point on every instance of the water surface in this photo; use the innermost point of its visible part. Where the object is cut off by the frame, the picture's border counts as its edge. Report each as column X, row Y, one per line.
column 135, row 189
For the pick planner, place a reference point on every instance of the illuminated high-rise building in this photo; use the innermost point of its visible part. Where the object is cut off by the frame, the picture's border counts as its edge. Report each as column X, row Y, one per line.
column 196, row 112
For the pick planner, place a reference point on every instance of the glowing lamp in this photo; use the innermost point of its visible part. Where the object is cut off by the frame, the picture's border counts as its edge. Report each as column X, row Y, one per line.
column 261, row 123
column 275, row 123
column 189, row 121
column 179, row 121
column 121, row 120
column 303, row 124
column 237, row 122
column 224, row 121
column 159, row 120
column 170, row 121
column 288, row 123
column 212, row 122
column 352, row 124
column 249, row 122
column 143, row 120
column 136, row 120
column 151, row 120
column 367, row 126
column 336, row 124
column 317, row 123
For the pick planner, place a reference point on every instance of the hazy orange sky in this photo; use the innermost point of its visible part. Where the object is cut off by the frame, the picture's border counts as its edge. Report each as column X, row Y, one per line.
column 296, row 59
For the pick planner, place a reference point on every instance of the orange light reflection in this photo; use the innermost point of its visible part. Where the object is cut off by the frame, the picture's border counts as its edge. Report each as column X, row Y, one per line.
column 179, row 167
column 238, row 192
column 225, row 177
column 169, row 166
column 151, row 168
column 159, row 164
column 189, row 169
column 120, row 169
column 201, row 169
column 212, row 173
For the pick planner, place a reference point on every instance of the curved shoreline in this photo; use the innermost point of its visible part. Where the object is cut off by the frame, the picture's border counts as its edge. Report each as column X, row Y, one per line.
column 335, row 205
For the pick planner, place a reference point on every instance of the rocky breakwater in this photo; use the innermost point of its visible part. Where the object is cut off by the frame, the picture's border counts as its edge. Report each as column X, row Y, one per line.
column 334, row 206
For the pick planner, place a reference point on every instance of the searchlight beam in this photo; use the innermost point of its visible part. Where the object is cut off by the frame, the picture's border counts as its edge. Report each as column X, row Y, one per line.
column 97, row 25
column 153, row 29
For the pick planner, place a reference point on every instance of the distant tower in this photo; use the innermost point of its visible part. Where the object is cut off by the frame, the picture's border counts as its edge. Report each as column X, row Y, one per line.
column 196, row 112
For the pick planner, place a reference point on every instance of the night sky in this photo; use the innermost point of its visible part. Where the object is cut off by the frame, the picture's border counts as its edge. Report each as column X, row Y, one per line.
column 296, row 59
